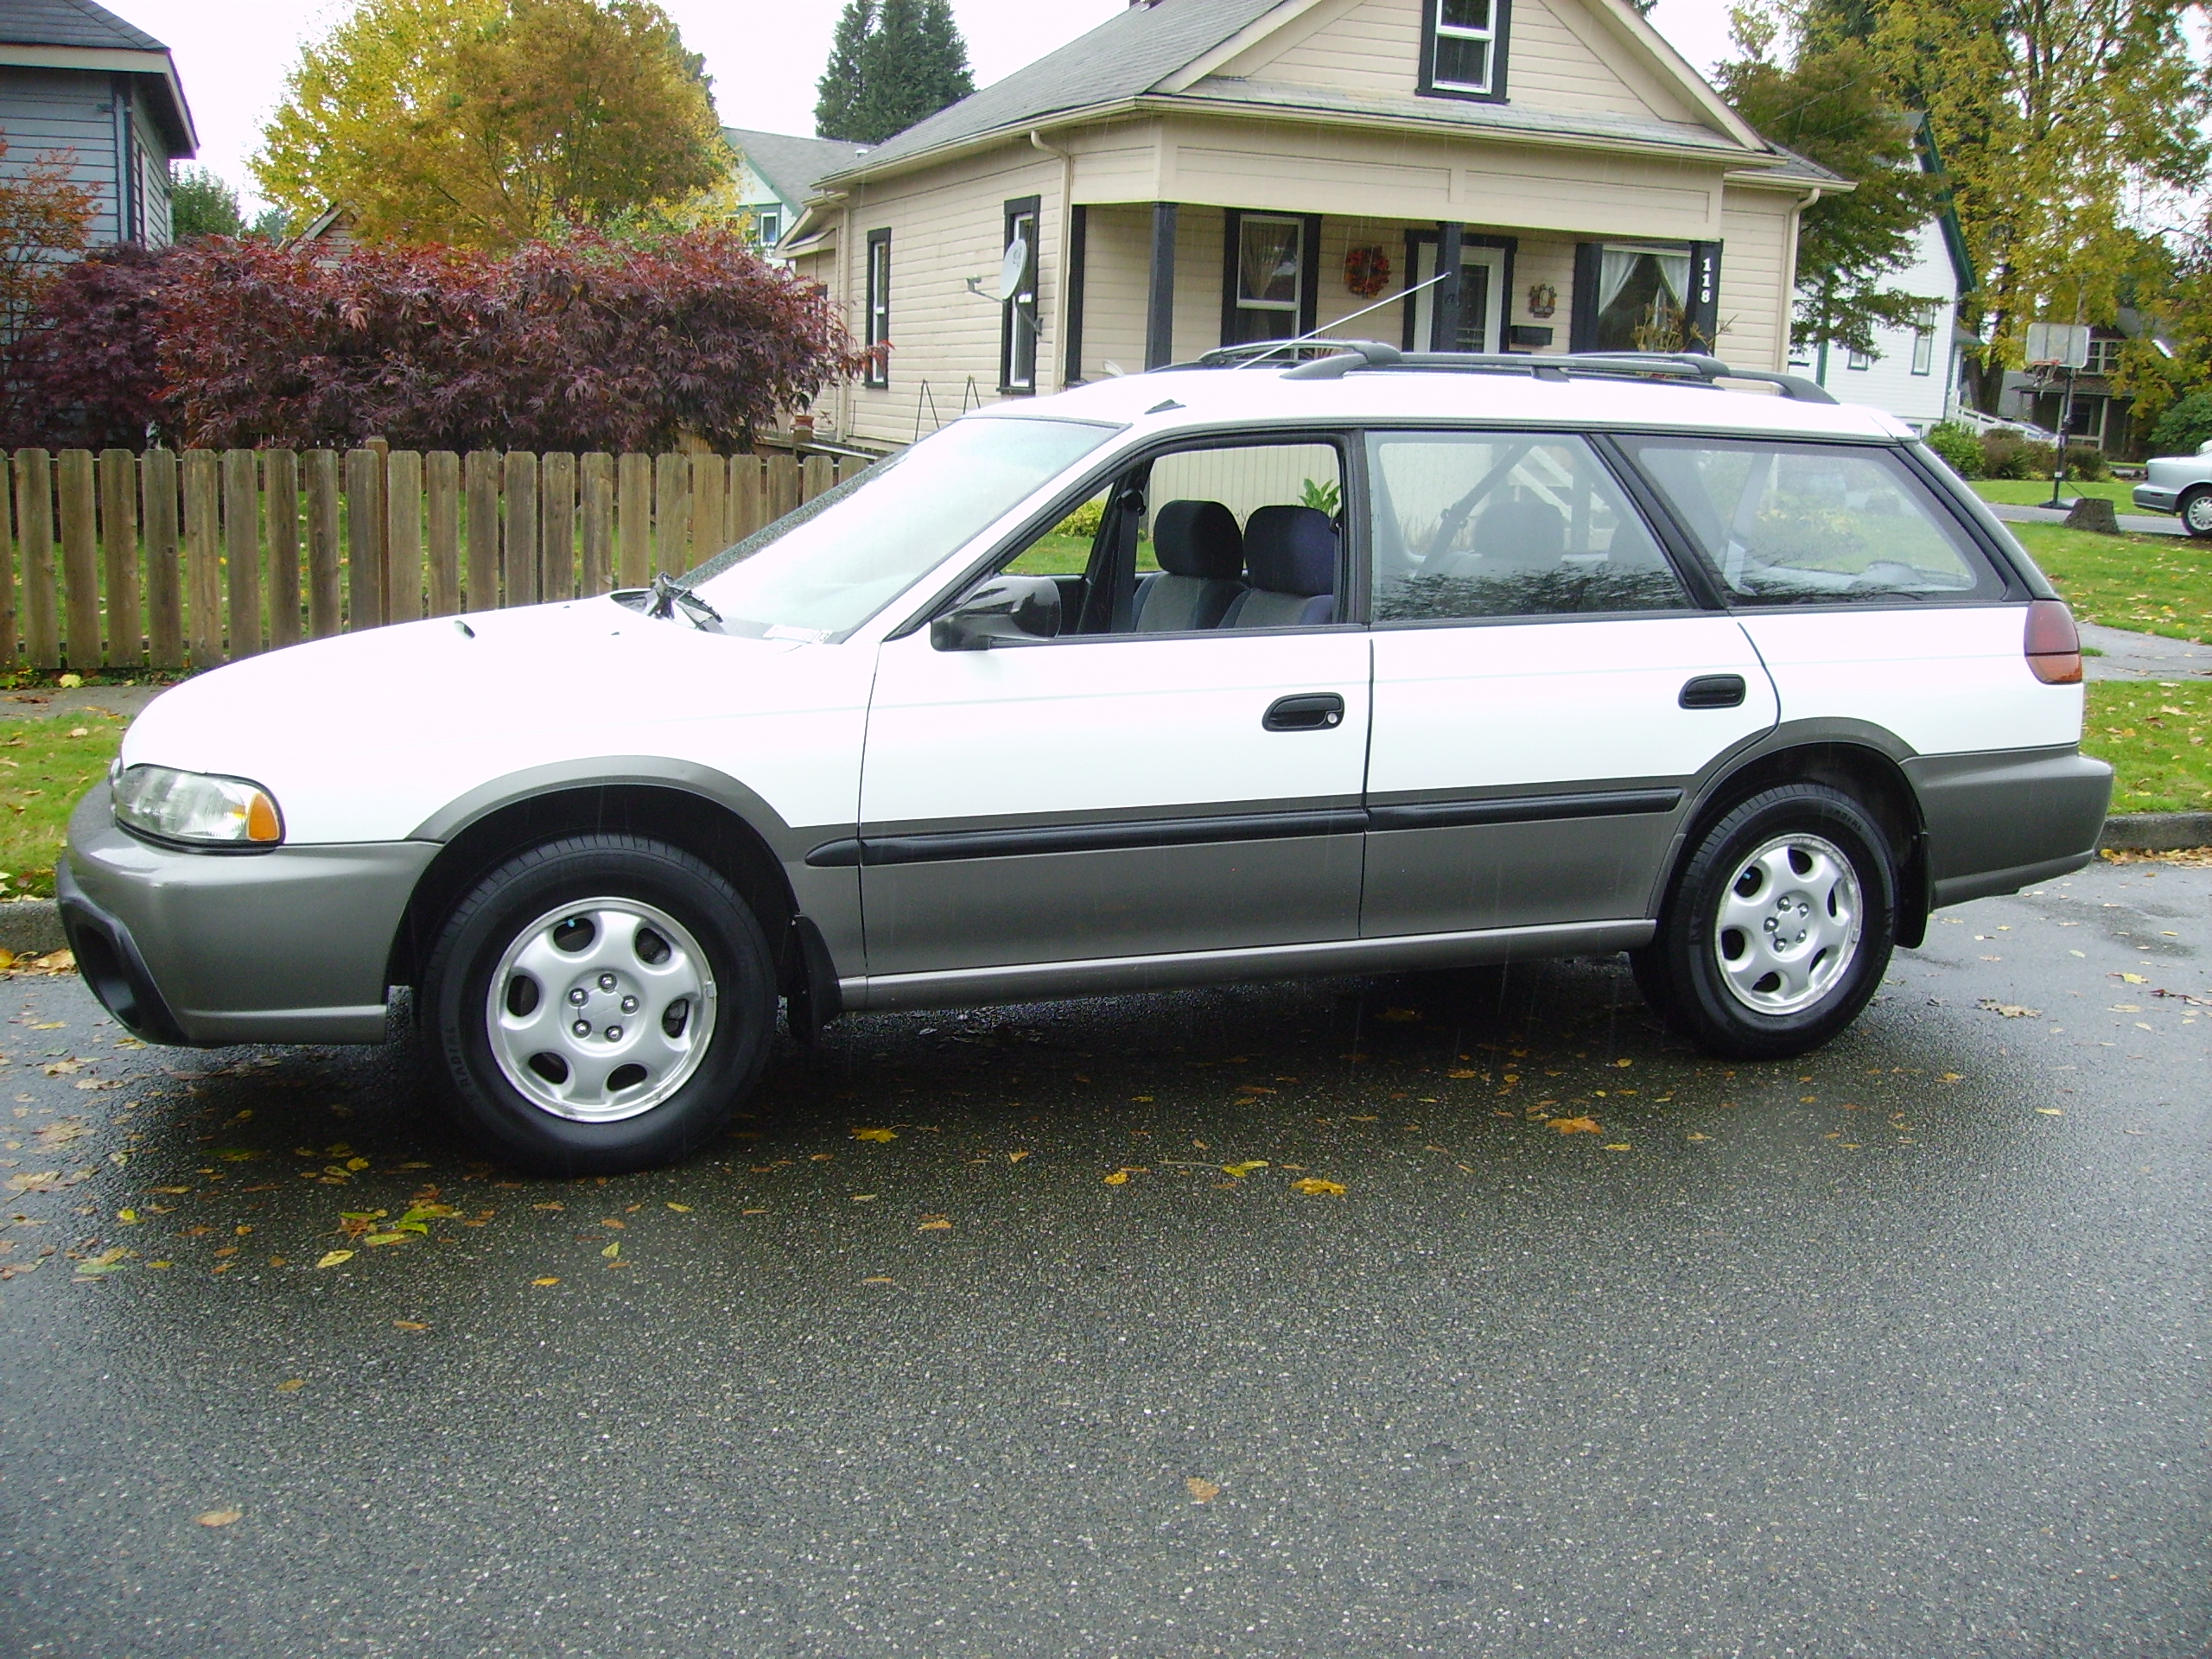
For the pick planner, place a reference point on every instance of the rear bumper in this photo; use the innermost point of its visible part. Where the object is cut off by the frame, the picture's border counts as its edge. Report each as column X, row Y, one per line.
column 285, row 946
column 2151, row 499
column 1999, row 821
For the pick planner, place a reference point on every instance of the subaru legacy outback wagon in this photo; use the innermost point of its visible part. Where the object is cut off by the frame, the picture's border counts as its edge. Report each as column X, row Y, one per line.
column 1231, row 671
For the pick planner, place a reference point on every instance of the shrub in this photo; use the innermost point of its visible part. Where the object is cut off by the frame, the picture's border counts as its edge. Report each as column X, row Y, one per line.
column 2005, row 454
column 581, row 344
column 2085, row 461
column 1959, row 447
column 2183, row 427
column 1085, row 520
column 84, row 373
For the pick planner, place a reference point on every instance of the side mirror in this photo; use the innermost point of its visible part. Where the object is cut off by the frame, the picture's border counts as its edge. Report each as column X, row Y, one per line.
column 1005, row 611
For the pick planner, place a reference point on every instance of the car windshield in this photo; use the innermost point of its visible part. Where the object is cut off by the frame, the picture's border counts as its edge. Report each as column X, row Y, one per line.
column 820, row 572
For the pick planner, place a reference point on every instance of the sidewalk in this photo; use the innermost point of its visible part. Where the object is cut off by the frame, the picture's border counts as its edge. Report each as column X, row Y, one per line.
column 2131, row 656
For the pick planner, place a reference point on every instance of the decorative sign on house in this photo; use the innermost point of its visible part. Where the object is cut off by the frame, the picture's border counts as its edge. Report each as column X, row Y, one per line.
column 1192, row 168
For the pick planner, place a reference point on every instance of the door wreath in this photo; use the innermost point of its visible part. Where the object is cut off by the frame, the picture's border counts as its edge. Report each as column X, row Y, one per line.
column 1367, row 271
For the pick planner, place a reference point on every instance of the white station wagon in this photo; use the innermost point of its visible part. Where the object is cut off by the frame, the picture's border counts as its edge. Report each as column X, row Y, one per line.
column 1229, row 672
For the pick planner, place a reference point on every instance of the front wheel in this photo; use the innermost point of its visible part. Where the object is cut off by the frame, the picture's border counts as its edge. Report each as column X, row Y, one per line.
column 599, row 1004
column 1779, row 928
column 2195, row 510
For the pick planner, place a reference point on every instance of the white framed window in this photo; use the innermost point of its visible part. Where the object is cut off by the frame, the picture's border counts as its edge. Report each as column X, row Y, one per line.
column 1270, row 277
column 879, row 309
column 1019, row 323
column 1463, row 48
column 2104, row 357
column 1856, row 359
column 1923, row 346
column 768, row 224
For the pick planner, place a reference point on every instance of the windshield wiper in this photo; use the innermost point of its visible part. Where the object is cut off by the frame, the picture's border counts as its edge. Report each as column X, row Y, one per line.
column 665, row 598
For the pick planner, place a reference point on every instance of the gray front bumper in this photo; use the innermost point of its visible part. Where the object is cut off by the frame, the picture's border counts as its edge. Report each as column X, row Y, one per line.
column 284, row 946
column 2153, row 500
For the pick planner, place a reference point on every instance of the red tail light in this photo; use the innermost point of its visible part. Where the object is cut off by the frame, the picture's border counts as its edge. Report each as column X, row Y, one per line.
column 2053, row 644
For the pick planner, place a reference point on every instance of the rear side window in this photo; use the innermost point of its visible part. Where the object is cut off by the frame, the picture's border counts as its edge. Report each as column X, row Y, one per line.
column 1506, row 524
column 1782, row 524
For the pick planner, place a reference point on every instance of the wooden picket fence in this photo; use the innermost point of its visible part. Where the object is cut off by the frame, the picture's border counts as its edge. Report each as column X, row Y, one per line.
column 174, row 559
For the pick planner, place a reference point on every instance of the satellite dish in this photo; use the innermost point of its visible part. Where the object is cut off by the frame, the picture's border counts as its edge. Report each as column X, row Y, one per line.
column 1013, row 270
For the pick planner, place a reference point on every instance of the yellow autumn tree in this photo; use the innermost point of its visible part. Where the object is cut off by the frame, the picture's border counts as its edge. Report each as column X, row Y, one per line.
column 486, row 123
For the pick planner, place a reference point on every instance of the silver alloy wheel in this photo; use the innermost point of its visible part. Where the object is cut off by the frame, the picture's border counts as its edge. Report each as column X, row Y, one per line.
column 600, row 1010
column 1788, row 924
column 2196, row 513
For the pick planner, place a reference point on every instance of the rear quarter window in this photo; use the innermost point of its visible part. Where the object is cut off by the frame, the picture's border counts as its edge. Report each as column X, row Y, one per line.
column 1815, row 523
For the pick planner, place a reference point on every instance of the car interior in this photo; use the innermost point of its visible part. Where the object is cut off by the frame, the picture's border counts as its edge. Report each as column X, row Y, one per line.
column 1230, row 537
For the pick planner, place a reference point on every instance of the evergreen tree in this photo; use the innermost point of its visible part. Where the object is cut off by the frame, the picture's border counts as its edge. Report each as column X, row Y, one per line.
column 838, row 93
column 201, row 204
column 892, row 63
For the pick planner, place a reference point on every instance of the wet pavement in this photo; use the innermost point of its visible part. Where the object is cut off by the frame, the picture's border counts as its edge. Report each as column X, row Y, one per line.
column 2123, row 654
column 1897, row 1351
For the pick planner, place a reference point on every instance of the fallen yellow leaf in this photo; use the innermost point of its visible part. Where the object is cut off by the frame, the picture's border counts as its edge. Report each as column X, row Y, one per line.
column 1241, row 1171
column 2135, row 979
column 217, row 1517
column 411, row 1325
column 1696, row 1135
column 680, row 1208
column 1463, row 1075
column 549, row 1281
column 1119, row 1178
column 332, row 1258
column 939, row 1225
column 1576, row 1125
column 291, row 1385
column 876, row 1134
column 882, row 1279
column 1616, row 1145
column 2050, row 1111
column 357, row 1165
column 1201, row 1491
column 1015, row 1157
column 1314, row 1187
column 612, row 1250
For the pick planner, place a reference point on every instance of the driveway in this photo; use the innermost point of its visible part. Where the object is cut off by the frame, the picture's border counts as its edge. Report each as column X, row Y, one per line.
column 1899, row 1350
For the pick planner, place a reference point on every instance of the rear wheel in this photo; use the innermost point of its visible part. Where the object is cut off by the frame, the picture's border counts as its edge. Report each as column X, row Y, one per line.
column 1779, row 929
column 599, row 1004
column 2195, row 510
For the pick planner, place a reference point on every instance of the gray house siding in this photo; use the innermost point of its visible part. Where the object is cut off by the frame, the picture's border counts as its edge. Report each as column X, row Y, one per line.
column 43, row 110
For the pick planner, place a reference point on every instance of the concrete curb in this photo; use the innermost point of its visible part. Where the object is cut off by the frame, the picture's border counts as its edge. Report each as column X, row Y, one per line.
column 30, row 927
column 2156, row 832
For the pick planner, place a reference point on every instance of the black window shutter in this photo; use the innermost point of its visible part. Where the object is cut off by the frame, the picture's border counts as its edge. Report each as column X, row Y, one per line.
column 1582, row 314
column 1702, row 312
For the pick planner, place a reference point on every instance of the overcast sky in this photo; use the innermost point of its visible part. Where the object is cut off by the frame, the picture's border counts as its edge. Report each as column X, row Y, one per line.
column 764, row 54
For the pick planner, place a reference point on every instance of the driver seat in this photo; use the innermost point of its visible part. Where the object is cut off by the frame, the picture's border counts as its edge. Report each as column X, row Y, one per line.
column 1201, row 554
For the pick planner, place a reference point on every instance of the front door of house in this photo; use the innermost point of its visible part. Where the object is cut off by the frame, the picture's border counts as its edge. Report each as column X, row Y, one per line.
column 1482, row 297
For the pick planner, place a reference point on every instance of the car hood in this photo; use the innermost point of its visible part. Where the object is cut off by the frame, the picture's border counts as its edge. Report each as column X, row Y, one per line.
column 370, row 736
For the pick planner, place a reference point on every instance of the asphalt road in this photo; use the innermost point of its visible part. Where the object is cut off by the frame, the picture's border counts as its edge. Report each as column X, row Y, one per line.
column 1896, row 1351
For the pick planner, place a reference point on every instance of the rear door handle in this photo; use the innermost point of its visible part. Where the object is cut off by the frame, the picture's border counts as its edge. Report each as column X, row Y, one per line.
column 1713, row 691
column 1315, row 711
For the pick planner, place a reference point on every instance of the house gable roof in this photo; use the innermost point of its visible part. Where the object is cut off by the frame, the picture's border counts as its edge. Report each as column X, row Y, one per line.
column 80, row 35
column 1176, row 49
column 792, row 166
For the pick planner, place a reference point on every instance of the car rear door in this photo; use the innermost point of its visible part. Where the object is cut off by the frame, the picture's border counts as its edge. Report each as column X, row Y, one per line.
column 1545, row 692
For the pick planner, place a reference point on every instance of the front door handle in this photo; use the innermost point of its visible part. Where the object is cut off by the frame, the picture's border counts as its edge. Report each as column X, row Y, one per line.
column 1316, row 711
column 1713, row 691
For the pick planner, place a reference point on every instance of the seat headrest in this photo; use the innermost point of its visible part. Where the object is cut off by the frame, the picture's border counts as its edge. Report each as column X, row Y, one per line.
column 1291, row 551
column 1198, row 538
column 1531, row 534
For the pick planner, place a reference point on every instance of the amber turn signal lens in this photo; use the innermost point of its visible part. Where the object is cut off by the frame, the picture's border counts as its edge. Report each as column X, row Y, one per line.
column 261, row 821
column 2053, row 644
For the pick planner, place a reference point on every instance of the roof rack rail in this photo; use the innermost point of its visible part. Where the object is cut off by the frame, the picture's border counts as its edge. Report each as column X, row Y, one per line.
column 1257, row 350
column 1353, row 356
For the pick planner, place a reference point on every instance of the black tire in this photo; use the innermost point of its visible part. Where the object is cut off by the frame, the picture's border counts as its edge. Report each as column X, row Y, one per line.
column 2195, row 508
column 729, row 1020
column 1793, row 986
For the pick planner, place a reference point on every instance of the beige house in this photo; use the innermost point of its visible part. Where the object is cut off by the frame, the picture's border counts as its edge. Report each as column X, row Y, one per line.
column 1197, row 172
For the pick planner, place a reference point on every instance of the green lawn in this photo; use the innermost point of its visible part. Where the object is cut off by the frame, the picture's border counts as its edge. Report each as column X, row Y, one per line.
column 1069, row 555
column 2036, row 492
column 2153, row 584
column 46, row 766
column 2155, row 737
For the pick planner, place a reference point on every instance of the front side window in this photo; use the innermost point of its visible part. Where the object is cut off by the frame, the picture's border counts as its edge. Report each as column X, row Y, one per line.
column 878, row 308
column 1641, row 298
column 1471, row 524
column 1815, row 523
column 1267, row 277
column 1018, row 328
column 1465, row 40
column 820, row 572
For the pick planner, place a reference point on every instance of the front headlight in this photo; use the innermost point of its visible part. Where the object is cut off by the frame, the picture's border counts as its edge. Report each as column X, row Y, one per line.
column 195, row 806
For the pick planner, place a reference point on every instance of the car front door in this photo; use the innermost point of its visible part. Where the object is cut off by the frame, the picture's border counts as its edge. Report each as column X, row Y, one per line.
column 1544, row 690
column 1129, row 791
